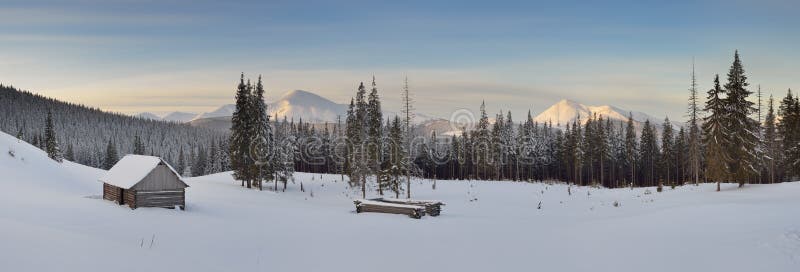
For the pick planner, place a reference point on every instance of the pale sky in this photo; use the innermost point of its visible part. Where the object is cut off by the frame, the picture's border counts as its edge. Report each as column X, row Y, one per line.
column 161, row 56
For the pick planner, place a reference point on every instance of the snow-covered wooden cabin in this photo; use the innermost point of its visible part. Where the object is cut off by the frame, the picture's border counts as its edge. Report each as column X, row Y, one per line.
column 144, row 181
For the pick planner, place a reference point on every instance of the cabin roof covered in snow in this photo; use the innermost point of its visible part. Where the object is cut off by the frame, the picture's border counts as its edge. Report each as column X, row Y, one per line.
column 132, row 169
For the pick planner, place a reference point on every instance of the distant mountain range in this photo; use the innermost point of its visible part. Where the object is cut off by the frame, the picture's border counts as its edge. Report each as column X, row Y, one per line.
column 297, row 104
column 312, row 108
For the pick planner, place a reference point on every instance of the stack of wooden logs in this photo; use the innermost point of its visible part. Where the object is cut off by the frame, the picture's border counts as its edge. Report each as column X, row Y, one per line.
column 413, row 208
column 432, row 207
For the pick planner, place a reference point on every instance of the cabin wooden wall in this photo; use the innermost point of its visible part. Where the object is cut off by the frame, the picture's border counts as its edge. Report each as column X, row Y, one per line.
column 110, row 192
column 166, row 199
column 130, row 198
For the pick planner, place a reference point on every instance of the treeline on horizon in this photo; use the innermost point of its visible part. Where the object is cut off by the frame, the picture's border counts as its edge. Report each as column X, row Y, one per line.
column 725, row 139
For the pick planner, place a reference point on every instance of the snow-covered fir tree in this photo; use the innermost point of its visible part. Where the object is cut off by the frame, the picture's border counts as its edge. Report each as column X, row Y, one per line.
column 111, row 156
column 240, row 138
column 744, row 152
column 716, row 137
column 138, row 146
column 771, row 143
column 262, row 145
column 374, row 141
column 51, row 143
column 668, row 154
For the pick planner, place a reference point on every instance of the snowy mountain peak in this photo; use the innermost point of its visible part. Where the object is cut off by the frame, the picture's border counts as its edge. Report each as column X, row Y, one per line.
column 299, row 104
column 301, row 95
column 306, row 105
column 178, row 116
column 148, row 115
column 222, row 111
column 566, row 111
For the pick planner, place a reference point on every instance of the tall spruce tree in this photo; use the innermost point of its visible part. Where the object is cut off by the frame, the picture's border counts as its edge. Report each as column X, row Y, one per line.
column 482, row 144
column 680, row 157
column 668, row 152
column 358, row 157
column 496, row 146
column 263, row 144
column 771, row 144
column 716, row 137
column 351, row 128
column 396, row 163
column 695, row 148
column 631, row 149
column 789, row 134
column 602, row 149
column 649, row 154
column 284, row 152
column 240, row 139
column 741, row 127
column 374, row 141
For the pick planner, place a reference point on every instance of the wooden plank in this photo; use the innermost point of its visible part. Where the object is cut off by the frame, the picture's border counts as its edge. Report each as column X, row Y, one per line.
column 432, row 207
column 163, row 199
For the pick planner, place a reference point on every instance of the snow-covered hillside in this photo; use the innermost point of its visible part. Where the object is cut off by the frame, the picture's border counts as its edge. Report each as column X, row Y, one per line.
column 53, row 219
column 566, row 111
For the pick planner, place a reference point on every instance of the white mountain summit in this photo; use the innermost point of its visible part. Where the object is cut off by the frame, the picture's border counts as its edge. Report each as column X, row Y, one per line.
column 310, row 107
column 565, row 111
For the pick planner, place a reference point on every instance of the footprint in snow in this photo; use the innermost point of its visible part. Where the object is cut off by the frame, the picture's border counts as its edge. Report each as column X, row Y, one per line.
column 787, row 243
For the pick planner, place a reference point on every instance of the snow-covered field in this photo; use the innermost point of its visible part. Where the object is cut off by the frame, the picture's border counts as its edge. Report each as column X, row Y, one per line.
column 52, row 219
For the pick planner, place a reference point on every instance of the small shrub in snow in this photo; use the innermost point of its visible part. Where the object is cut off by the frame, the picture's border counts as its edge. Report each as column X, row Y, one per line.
column 647, row 192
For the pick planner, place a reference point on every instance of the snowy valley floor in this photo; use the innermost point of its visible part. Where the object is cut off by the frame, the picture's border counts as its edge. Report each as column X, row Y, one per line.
column 52, row 219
